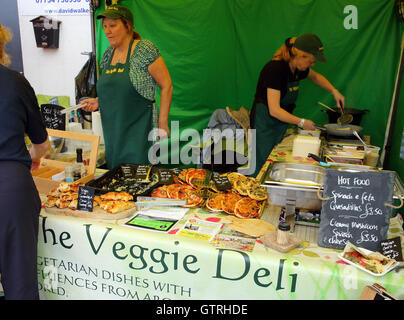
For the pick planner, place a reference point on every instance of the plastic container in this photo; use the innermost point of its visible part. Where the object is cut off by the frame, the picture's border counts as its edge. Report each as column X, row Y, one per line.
column 371, row 155
column 304, row 144
column 282, row 236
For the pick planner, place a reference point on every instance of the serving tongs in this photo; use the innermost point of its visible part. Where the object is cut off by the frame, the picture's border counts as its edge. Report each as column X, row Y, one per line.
column 67, row 110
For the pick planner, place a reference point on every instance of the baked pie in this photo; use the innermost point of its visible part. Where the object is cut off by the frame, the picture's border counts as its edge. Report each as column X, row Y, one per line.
column 123, row 196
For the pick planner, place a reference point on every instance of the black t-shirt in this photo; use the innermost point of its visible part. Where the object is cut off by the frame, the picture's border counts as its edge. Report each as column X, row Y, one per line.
column 19, row 114
column 275, row 75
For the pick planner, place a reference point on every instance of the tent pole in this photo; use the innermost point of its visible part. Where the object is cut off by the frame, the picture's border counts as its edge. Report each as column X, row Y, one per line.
column 93, row 5
column 390, row 124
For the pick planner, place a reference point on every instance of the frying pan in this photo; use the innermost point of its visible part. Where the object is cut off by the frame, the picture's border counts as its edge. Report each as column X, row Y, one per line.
column 340, row 130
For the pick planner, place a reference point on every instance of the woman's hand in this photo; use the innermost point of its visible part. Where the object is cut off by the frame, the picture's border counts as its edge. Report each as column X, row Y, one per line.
column 308, row 125
column 90, row 104
column 164, row 131
column 339, row 98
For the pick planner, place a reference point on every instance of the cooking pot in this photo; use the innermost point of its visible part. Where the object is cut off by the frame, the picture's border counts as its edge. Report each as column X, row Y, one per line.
column 340, row 130
column 356, row 114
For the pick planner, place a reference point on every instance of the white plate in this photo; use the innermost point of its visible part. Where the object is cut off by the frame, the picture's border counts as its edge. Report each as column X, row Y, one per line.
column 366, row 270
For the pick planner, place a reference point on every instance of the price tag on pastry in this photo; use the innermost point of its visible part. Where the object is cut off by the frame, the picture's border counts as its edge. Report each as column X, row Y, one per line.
column 128, row 172
column 222, row 183
column 391, row 248
column 165, row 176
column 85, row 199
column 143, row 173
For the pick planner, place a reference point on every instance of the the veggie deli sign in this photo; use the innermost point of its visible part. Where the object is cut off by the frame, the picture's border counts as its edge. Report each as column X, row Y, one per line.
column 94, row 263
column 54, row 7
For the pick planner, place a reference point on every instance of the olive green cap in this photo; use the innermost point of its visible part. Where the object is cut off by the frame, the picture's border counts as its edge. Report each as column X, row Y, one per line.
column 116, row 11
column 310, row 43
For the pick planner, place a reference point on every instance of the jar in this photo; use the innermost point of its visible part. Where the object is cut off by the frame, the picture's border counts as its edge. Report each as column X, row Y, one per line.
column 69, row 174
column 282, row 236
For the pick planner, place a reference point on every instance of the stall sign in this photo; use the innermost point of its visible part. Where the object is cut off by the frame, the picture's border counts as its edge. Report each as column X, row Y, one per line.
column 54, row 7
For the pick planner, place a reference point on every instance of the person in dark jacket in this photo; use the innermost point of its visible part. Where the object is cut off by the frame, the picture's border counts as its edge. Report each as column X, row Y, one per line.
column 19, row 199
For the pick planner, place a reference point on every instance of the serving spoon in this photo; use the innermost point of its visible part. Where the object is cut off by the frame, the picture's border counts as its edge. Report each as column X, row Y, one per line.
column 356, row 134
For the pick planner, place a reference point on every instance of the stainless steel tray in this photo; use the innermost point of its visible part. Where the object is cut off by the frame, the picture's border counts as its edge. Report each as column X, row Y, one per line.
column 295, row 175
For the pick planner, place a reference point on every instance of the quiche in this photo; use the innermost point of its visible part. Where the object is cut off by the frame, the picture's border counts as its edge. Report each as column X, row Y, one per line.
column 115, row 206
column 215, row 204
column 257, row 193
column 123, row 196
column 229, row 202
column 247, row 208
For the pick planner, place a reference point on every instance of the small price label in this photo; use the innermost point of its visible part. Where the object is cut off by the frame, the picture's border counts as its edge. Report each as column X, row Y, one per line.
column 85, row 199
column 391, row 248
column 165, row 176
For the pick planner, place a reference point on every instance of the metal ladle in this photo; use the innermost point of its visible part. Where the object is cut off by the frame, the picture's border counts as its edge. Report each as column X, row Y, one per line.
column 356, row 134
column 345, row 118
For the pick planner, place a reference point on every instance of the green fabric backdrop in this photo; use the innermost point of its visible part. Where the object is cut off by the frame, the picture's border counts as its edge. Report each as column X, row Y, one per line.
column 215, row 49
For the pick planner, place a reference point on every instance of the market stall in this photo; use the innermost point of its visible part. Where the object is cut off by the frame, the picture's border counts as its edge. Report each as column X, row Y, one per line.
column 196, row 253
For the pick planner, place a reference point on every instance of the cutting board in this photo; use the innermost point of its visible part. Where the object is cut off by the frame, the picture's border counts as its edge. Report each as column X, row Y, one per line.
column 97, row 213
column 251, row 227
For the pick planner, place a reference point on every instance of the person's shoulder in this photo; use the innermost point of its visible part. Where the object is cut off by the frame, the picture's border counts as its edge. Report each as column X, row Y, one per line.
column 11, row 77
column 146, row 52
column 276, row 65
column 147, row 44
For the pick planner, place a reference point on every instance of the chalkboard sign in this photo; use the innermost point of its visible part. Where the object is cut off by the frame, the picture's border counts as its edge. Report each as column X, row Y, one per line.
column 142, row 173
column 128, row 172
column 165, row 176
column 391, row 248
column 355, row 210
column 52, row 117
column 85, row 199
column 222, row 183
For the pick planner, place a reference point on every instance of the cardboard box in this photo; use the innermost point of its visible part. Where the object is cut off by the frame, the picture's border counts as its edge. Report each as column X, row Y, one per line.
column 48, row 168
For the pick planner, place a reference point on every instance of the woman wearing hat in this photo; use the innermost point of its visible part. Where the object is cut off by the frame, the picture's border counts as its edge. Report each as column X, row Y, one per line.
column 130, row 70
column 277, row 91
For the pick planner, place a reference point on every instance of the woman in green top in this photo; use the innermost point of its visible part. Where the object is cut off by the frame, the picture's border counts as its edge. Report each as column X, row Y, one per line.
column 130, row 70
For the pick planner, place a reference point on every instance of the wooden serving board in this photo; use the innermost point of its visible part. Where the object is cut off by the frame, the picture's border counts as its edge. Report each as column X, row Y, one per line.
column 251, row 227
column 97, row 213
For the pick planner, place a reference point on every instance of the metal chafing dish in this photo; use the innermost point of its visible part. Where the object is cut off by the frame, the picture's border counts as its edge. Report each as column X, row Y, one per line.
column 294, row 185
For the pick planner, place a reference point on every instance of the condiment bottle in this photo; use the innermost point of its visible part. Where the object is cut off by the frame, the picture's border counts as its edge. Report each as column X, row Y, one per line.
column 282, row 236
column 79, row 168
column 69, row 174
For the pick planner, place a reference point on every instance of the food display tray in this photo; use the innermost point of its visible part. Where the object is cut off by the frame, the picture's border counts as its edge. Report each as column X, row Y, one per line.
column 364, row 269
column 114, row 181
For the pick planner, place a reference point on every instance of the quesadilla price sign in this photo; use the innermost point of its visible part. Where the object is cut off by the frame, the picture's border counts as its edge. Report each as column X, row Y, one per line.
column 357, row 208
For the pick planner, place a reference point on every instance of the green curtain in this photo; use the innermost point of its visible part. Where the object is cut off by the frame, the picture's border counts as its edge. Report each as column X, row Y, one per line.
column 215, row 49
